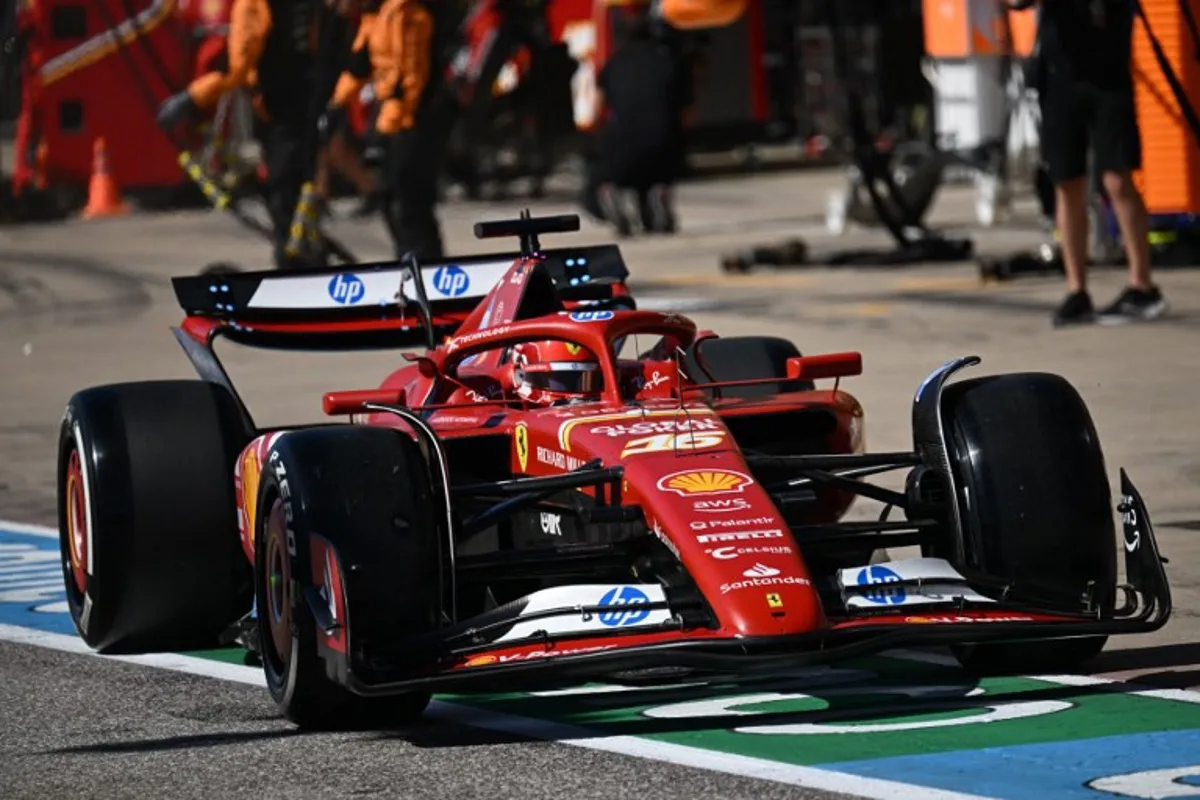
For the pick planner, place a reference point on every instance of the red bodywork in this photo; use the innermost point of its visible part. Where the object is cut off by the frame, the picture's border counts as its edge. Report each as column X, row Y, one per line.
column 663, row 441
column 681, row 463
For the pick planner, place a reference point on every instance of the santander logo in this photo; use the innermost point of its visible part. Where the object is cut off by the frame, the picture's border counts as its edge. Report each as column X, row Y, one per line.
column 761, row 571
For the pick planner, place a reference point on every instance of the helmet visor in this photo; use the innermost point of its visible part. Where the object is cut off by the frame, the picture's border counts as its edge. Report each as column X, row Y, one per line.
column 570, row 377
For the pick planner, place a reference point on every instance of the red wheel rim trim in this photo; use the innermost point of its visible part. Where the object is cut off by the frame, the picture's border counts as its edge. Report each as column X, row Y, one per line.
column 77, row 532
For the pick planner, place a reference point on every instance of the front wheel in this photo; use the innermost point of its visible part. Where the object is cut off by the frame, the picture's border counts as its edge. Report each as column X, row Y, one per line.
column 347, row 511
column 1036, row 507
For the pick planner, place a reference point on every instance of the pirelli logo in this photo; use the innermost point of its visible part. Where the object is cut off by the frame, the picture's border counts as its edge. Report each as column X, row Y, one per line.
column 741, row 536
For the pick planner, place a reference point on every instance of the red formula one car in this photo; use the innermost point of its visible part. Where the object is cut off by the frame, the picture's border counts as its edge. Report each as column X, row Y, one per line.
column 560, row 487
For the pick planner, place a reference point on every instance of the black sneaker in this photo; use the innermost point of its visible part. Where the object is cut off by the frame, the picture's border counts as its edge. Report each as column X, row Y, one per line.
column 1135, row 304
column 609, row 201
column 655, row 208
column 1076, row 309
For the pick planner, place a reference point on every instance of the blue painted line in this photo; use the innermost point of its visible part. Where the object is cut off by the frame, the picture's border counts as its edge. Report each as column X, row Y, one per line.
column 32, row 596
column 31, row 583
column 1055, row 771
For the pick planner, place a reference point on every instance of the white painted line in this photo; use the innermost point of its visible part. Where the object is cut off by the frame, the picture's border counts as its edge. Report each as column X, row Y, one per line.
column 169, row 661
column 762, row 769
column 1131, row 688
column 904, row 654
column 699, row 758
column 29, row 530
column 1179, row 695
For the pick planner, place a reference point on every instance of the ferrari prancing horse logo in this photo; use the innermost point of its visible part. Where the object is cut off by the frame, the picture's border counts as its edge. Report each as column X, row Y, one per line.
column 521, row 441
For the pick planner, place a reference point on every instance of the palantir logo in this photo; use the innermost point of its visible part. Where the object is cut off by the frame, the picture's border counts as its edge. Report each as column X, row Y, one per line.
column 346, row 288
column 626, row 596
column 880, row 575
column 451, row 280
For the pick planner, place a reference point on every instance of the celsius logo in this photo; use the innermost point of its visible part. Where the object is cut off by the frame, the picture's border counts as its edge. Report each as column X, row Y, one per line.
column 730, row 553
column 451, row 280
column 622, row 598
column 346, row 288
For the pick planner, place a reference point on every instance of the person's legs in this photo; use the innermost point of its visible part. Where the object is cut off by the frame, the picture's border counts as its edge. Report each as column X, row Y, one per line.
column 1070, row 214
column 282, row 145
column 1135, row 223
column 346, row 160
column 608, row 198
column 617, row 170
column 411, row 187
column 1064, row 141
column 1118, row 148
column 656, row 208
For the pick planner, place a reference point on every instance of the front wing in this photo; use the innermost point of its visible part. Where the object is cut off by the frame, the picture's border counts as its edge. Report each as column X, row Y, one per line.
column 538, row 656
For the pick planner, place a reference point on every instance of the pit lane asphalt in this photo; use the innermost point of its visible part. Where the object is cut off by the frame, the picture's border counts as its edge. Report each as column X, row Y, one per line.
column 95, row 305
column 75, row 726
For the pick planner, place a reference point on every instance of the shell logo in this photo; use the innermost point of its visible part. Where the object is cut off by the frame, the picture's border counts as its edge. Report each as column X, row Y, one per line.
column 480, row 661
column 700, row 482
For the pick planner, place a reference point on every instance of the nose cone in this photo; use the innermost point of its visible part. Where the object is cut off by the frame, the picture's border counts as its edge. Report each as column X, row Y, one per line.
column 733, row 541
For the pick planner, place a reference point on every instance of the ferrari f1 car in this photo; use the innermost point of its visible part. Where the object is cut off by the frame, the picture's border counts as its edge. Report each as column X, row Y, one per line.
column 558, row 487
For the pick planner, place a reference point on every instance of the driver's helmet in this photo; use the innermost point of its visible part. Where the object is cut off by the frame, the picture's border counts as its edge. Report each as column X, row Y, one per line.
column 554, row 371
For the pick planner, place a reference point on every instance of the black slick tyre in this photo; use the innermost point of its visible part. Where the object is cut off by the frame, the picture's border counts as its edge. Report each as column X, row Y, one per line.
column 367, row 494
column 147, row 517
column 1036, row 507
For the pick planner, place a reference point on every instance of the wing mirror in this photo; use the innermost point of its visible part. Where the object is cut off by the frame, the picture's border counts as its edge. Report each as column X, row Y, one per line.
column 826, row 365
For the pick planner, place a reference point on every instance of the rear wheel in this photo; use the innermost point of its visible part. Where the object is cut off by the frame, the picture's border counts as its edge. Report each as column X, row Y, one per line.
column 365, row 496
column 147, row 516
column 1036, row 507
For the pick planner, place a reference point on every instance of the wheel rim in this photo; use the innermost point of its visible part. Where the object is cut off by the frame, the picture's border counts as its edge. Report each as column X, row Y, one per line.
column 278, row 600
column 77, row 532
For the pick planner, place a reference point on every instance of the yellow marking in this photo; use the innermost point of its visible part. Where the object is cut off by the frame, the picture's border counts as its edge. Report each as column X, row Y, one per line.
column 938, row 283
column 521, row 439
column 872, row 309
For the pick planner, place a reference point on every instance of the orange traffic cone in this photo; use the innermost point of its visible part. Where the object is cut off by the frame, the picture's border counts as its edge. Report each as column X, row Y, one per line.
column 104, row 197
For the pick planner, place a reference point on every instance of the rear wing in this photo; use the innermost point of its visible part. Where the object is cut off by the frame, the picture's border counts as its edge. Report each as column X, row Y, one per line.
column 363, row 306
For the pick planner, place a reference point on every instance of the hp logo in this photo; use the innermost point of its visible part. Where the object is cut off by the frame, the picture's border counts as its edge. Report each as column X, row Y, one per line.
column 346, row 289
column 624, row 596
column 591, row 316
column 879, row 575
column 451, row 281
